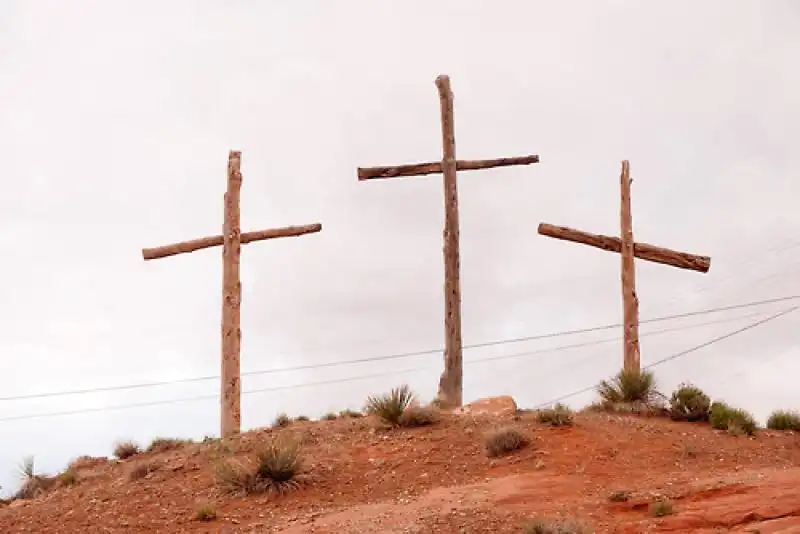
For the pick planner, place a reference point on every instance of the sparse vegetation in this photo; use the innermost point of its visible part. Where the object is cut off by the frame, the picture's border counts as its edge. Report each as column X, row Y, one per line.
column 557, row 415
column 352, row 414
column 503, row 441
column 389, row 407
column 68, row 478
column 278, row 468
column 784, row 420
column 140, row 470
column 415, row 416
column 167, row 444
column 282, row 420
column 302, row 419
column 205, row 512
column 735, row 420
column 569, row 526
column 689, row 403
column 33, row 484
column 619, row 496
column 662, row 508
column 330, row 416
column 629, row 387
column 126, row 449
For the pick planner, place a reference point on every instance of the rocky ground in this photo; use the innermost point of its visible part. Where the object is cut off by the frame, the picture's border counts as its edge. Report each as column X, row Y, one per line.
column 605, row 471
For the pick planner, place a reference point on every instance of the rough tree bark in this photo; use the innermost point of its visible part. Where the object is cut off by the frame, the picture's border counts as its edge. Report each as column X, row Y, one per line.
column 630, row 301
column 642, row 251
column 185, row 247
column 230, row 394
column 450, row 383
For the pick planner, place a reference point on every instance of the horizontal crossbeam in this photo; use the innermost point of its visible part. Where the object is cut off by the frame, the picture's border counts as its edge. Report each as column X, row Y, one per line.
column 435, row 167
column 215, row 241
column 682, row 260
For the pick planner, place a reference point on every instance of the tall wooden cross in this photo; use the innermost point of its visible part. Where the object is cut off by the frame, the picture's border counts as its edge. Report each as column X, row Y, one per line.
column 451, row 382
column 627, row 248
column 231, row 240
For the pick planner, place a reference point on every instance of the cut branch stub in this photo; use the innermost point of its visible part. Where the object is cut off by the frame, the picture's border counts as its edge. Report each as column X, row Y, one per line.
column 214, row 241
column 644, row 251
column 435, row 167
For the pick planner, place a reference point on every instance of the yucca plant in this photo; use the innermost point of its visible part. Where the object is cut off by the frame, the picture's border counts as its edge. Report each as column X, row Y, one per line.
column 629, row 387
column 389, row 407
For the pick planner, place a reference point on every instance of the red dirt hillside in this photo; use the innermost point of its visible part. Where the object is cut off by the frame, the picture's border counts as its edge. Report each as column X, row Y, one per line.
column 612, row 472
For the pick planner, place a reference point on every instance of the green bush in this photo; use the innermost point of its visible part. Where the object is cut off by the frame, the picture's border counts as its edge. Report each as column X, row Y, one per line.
column 557, row 415
column 734, row 420
column 784, row 420
column 689, row 403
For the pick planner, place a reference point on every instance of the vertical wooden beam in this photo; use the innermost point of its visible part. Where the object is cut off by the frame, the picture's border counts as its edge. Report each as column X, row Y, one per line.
column 230, row 396
column 451, row 382
column 630, row 302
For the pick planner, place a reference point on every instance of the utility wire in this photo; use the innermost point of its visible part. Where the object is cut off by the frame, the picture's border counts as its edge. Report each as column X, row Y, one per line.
column 682, row 353
column 395, row 356
column 361, row 377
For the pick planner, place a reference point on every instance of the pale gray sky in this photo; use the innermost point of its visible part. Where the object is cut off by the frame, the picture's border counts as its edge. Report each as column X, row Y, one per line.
column 116, row 118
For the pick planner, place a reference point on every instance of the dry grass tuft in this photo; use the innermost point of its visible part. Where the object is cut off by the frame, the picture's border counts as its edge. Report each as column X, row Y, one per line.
column 629, row 387
column 167, row 444
column 281, row 421
column 205, row 512
column 662, row 508
column 126, row 449
column 568, row 526
column 558, row 415
column 389, row 407
column 140, row 469
column 278, row 468
column 503, row 441
column 416, row 416
column 33, row 485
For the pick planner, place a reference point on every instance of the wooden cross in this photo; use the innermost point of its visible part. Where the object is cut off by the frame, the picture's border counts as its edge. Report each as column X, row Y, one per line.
column 231, row 240
column 450, row 384
column 627, row 248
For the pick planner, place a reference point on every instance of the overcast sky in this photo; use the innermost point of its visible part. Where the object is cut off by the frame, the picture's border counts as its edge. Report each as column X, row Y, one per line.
column 116, row 118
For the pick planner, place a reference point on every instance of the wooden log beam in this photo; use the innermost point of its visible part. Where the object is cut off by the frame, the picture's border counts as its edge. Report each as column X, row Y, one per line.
column 214, row 241
column 435, row 167
column 644, row 251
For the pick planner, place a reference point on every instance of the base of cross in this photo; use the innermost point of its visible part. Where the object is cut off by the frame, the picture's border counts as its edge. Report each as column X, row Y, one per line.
column 450, row 393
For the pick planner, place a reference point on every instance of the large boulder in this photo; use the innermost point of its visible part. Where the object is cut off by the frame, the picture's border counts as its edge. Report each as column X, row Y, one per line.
column 503, row 405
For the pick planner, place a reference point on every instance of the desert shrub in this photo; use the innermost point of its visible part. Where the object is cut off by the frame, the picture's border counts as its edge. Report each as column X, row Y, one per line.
column 734, row 420
column 415, row 416
column 166, row 444
column 281, row 420
column 662, row 508
column 619, row 496
column 689, row 403
column 126, row 449
column 330, row 416
column 504, row 440
column 205, row 512
column 351, row 414
column 302, row 418
column 278, row 468
column 784, row 420
column 568, row 526
column 558, row 415
column 140, row 470
column 629, row 387
column 68, row 478
column 33, row 484
column 389, row 407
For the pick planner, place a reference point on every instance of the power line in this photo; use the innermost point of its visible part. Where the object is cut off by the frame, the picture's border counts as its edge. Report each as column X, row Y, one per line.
column 396, row 356
column 682, row 353
column 361, row 377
